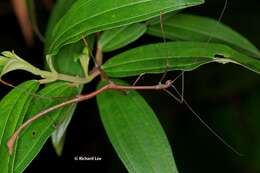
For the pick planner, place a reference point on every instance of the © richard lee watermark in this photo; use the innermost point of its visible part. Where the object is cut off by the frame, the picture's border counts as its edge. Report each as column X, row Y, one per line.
column 87, row 158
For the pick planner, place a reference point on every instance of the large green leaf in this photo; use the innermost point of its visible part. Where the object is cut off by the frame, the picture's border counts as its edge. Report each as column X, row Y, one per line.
column 32, row 139
column 186, row 56
column 87, row 17
column 66, row 62
column 60, row 8
column 119, row 37
column 13, row 108
column 197, row 28
column 135, row 132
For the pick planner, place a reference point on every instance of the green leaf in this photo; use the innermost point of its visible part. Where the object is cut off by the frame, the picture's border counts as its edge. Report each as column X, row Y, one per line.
column 197, row 28
column 60, row 8
column 10, row 62
column 119, row 37
column 66, row 62
column 186, row 56
column 162, row 17
column 58, row 136
column 87, row 17
column 32, row 139
column 135, row 132
column 13, row 108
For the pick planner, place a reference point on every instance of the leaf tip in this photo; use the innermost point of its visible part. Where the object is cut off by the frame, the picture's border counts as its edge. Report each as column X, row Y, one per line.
column 8, row 54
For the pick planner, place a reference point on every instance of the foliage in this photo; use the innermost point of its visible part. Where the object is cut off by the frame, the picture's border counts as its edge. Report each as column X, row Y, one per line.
column 130, row 123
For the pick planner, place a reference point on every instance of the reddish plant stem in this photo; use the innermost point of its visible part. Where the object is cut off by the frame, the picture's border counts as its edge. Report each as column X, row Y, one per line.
column 110, row 86
column 99, row 53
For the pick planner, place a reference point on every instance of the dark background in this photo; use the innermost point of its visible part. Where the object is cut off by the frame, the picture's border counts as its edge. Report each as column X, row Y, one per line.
column 227, row 97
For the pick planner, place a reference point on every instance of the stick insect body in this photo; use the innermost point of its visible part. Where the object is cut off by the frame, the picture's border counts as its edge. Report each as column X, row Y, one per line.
column 112, row 86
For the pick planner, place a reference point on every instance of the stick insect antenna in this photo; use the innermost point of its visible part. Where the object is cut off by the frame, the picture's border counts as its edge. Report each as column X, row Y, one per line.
column 32, row 94
column 220, row 17
column 164, row 41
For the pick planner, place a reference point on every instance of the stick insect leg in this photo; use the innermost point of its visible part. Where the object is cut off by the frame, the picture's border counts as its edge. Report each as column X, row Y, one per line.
column 179, row 100
column 182, row 86
column 164, row 40
column 220, row 18
column 203, row 122
column 164, row 74
column 138, row 79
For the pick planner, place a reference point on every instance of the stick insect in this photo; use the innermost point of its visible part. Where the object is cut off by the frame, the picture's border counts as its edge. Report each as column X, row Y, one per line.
column 112, row 86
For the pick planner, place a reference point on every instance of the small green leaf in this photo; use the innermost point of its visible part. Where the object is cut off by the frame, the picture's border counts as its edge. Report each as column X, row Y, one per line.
column 197, row 28
column 13, row 108
column 58, row 140
column 135, row 132
column 119, row 37
column 186, row 56
column 10, row 62
column 87, row 17
column 32, row 139
column 67, row 61
column 58, row 136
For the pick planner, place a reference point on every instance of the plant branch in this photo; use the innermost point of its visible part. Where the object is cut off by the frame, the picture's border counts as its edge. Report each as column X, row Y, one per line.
column 11, row 61
column 99, row 53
